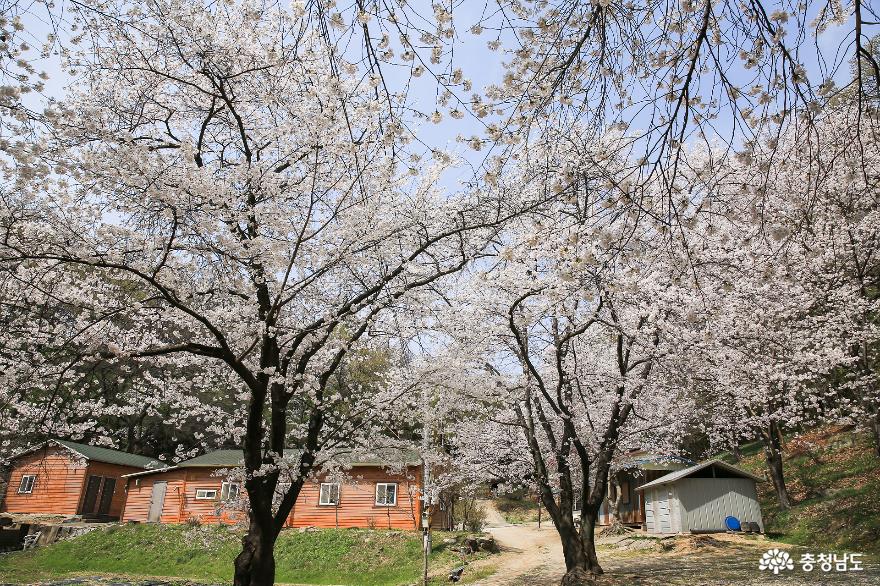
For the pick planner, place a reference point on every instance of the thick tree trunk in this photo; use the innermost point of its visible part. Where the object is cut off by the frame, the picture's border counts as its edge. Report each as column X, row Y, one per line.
column 255, row 565
column 589, row 518
column 773, row 456
column 579, row 550
column 572, row 545
column 614, row 499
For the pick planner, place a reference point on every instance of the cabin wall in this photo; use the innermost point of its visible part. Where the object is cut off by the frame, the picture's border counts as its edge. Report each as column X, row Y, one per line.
column 58, row 488
column 705, row 502
column 114, row 471
column 207, row 511
column 139, row 493
column 357, row 502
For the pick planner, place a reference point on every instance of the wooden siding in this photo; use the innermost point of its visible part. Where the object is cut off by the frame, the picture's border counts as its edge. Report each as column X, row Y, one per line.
column 114, row 471
column 139, row 492
column 207, row 511
column 60, row 477
column 357, row 502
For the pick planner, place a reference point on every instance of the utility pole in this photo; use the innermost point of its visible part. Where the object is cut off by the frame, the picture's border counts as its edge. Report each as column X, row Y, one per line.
column 426, row 520
column 539, row 512
column 427, row 500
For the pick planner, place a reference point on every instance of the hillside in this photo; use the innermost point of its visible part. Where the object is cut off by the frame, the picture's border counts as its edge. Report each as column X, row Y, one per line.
column 834, row 479
column 205, row 554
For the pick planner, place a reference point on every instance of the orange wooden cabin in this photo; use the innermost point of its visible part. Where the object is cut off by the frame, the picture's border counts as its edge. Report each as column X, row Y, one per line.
column 67, row 478
column 372, row 496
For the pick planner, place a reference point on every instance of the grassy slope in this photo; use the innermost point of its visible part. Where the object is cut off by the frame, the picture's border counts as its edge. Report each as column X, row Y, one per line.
column 834, row 479
column 205, row 554
column 518, row 510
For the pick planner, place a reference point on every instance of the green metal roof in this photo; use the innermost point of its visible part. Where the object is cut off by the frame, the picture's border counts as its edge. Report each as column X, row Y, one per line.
column 233, row 458
column 228, row 458
column 679, row 474
column 109, row 456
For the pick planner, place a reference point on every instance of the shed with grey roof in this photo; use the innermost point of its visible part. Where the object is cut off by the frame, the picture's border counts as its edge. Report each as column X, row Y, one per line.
column 700, row 497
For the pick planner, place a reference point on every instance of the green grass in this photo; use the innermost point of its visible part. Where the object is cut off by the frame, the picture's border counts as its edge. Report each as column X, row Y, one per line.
column 517, row 510
column 205, row 554
column 834, row 479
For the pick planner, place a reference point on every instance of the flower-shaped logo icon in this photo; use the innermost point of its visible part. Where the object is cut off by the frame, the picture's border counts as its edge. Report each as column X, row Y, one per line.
column 776, row 560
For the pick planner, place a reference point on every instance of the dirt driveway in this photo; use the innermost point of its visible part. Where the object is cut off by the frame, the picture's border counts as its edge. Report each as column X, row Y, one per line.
column 532, row 556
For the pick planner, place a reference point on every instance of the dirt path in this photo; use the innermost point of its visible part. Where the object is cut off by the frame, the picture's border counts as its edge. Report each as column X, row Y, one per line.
column 494, row 518
column 528, row 554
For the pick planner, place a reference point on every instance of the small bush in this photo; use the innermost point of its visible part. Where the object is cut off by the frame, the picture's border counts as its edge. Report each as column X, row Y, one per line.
column 194, row 522
column 475, row 519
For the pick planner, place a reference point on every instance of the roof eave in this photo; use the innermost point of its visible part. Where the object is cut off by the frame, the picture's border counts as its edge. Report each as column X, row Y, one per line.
column 660, row 481
column 146, row 472
column 42, row 445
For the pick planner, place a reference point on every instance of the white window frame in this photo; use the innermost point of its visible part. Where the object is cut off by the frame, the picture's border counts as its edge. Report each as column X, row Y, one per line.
column 386, row 503
column 202, row 494
column 328, row 502
column 30, row 487
column 227, row 489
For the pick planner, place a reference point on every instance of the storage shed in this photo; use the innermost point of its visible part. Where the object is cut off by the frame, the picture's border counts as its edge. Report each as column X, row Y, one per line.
column 700, row 497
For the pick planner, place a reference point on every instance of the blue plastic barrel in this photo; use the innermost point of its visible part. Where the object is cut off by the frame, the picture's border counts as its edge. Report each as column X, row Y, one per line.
column 732, row 523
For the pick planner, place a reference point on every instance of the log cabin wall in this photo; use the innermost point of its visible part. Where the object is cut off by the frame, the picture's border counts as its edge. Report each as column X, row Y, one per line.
column 58, row 486
column 139, row 493
column 357, row 502
column 207, row 510
column 114, row 472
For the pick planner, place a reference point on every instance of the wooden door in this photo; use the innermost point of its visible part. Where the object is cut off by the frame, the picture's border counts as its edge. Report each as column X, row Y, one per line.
column 91, row 499
column 157, row 500
column 107, row 496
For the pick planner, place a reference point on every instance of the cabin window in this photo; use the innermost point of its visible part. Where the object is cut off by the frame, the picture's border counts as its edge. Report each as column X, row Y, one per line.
column 624, row 493
column 229, row 491
column 329, row 493
column 206, row 494
column 386, row 494
column 27, row 484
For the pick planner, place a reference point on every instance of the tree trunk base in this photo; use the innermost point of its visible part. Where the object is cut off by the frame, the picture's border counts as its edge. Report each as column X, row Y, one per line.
column 578, row 577
column 616, row 528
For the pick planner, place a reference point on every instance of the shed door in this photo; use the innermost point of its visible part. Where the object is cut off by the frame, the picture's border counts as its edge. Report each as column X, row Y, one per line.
column 157, row 499
column 91, row 499
column 107, row 496
column 662, row 517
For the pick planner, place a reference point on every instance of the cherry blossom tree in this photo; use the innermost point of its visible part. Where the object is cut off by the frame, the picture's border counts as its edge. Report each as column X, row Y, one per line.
column 244, row 208
column 568, row 363
column 786, row 332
